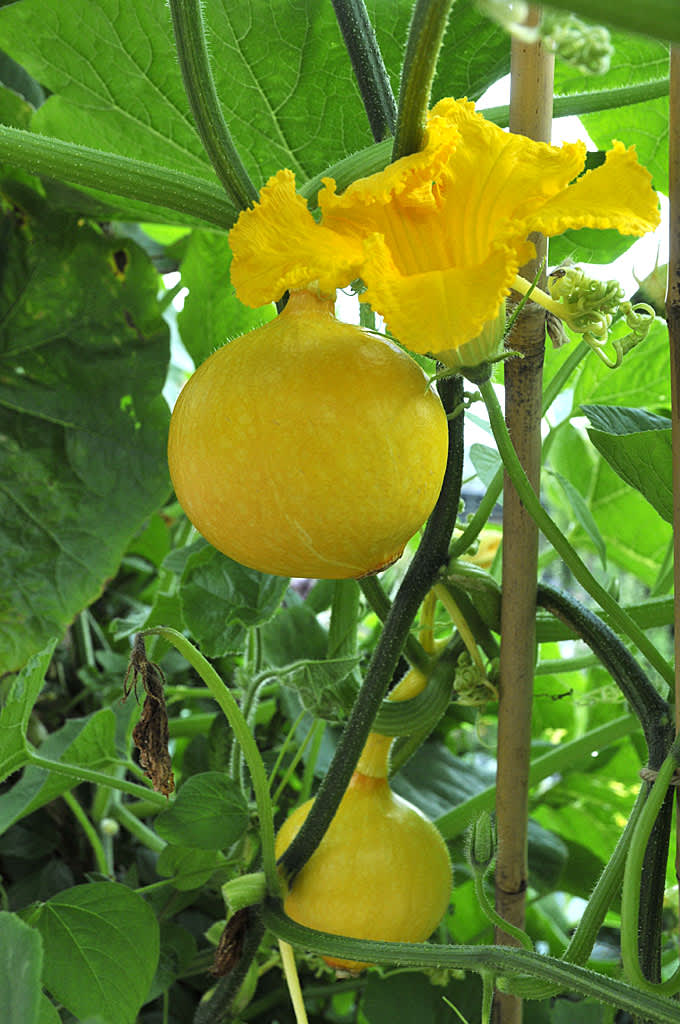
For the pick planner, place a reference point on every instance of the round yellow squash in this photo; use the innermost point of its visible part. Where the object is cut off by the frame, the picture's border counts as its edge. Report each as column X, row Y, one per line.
column 308, row 447
column 382, row 870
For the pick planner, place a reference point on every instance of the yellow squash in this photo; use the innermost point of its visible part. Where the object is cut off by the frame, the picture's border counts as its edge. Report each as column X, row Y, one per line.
column 308, row 447
column 382, row 870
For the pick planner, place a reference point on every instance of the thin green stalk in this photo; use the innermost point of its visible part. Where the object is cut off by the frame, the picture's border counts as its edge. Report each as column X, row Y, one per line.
column 551, row 531
column 556, row 384
column 290, row 735
column 630, row 903
column 142, row 833
column 606, row 890
column 589, row 102
column 504, row 960
column 420, row 575
column 308, row 774
column 176, row 191
column 369, row 68
column 556, row 761
column 558, row 666
column 425, row 36
column 480, row 517
column 495, row 918
column 79, row 773
column 101, row 860
column 223, row 696
column 192, row 52
column 293, row 765
column 491, row 495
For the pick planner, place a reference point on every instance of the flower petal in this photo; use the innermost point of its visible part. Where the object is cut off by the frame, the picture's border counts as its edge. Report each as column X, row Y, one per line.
column 617, row 194
column 495, row 179
column 439, row 310
column 278, row 245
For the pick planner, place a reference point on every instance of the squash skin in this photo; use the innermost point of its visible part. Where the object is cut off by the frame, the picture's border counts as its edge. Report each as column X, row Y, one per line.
column 308, row 447
column 382, row 870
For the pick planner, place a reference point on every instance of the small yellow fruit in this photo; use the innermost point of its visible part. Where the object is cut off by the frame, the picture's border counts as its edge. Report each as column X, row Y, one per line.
column 308, row 447
column 382, row 870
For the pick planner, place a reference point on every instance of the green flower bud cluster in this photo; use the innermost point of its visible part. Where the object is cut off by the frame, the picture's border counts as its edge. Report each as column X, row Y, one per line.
column 589, row 307
column 586, row 47
column 471, row 684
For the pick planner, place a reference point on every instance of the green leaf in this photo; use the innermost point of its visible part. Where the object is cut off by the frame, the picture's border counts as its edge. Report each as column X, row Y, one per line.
column 222, row 598
column 178, row 949
column 20, row 970
column 188, row 867
column 83, row 356
column 583, row 515
column 589, row 246
column 209, row 812
column 327, row 689
column 212, row 315
column 101, row 944
column 638, row 446
column 486, row 461
column 115, row 82
column 81, row 741
column 16, row 711
column 637, row 60
column 294, row 633
column 48, row 1012
column 635, row 537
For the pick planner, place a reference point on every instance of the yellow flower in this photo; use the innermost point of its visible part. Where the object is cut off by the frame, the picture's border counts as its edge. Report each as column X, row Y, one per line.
column 438, row 237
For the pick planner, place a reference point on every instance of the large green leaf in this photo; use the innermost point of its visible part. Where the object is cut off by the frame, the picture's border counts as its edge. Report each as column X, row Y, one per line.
column 20, row 968
column 88, row 742
column 209, row 812
column 281, row 71
column 637, row 60
column 83, row 356
column 635, row 537
column 638, row 446
column 16, row 711
column 101, row 944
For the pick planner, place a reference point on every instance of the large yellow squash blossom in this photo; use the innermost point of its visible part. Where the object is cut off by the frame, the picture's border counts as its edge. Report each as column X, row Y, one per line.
column 438, row 237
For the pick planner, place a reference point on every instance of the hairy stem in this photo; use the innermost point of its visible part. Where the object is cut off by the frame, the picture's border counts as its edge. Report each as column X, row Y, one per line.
column 192, row 52
column 426, row 33
column 498, row 959
column 176, row 191
column 369, row 68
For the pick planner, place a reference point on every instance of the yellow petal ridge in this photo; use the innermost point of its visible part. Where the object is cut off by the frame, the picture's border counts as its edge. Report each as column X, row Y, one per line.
column 277, row 245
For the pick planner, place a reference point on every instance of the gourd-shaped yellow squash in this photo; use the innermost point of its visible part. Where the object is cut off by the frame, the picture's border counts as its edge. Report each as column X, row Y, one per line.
column 308, row 447
column 382, row 870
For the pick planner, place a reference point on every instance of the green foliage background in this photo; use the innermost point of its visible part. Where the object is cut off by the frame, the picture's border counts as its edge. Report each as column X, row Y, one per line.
column 93, row 548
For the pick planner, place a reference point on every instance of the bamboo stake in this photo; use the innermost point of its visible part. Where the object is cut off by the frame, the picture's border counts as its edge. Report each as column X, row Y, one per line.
column 673, row 318
column 530, row 115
